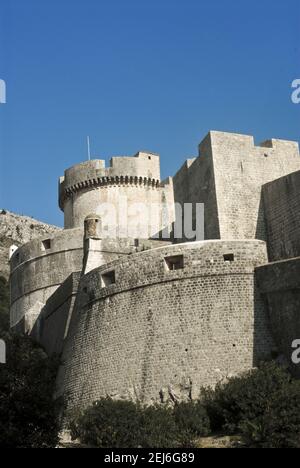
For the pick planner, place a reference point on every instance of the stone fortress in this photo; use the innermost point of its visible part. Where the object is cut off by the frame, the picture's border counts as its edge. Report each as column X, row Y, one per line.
column 155, row 319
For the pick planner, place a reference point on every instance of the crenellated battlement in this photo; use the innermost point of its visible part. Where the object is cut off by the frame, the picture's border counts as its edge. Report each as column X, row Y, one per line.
column 91, row 186
column 143, row 166
column 239, row 140
column 107, row 181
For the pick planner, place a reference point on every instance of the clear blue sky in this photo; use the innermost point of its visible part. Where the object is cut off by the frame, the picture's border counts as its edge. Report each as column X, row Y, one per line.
column 136, row 74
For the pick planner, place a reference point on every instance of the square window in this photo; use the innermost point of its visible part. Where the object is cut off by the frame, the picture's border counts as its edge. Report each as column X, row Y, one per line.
column 229, row 258
column 107, row 279
column 174, row 263
column 46, row 244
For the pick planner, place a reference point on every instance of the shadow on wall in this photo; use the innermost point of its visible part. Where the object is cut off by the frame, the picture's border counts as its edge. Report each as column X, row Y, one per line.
column 285, row 323
column 51, row 328
column 261, row 228
column 264, row 347
column 279, row 283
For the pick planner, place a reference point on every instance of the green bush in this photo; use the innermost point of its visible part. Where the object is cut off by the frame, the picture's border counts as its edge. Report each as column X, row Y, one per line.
column 263, row 405
column 279, row 426
column 158, row 427
column 108, row 423
column 191, row 417
column 244, row 398
column 123, row 424
column 29, row 417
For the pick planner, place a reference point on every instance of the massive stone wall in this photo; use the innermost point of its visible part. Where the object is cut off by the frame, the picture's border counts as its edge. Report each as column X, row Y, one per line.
column 279, row 283
column 228, row 177
column 37, row 270
column 143, row 329
column 17, row 230
column 195, row 183
column 40, row 267
column 282, row 213
column 51, row 327
column 241, row 169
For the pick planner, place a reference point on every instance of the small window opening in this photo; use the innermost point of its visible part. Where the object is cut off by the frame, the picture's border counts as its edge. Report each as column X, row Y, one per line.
column 108, row 279
column 174, row 263
column 149, row 157
column 229, row 258
column 46, row 244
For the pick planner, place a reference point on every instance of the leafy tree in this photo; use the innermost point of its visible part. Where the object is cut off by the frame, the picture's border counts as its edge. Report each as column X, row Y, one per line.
column 29, row 417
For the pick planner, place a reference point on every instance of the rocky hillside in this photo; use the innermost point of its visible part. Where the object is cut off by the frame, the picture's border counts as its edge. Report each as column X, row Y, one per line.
column 17, row 230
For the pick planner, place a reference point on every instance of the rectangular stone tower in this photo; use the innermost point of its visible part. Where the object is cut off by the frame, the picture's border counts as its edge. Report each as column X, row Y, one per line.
column 228, row 177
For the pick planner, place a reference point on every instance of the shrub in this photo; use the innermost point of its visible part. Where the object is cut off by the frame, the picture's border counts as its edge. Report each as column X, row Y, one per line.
column 124, row 424
column 192, row 417
column 263, row 405
column 108, row 423
column 158, row 427
column 244, row 398
column 279, row 427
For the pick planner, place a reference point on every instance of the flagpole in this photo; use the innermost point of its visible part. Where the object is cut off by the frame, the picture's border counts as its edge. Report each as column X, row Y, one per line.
column 89, row 147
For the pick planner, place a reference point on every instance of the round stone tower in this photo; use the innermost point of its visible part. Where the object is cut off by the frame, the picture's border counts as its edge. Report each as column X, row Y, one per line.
column 127, row 195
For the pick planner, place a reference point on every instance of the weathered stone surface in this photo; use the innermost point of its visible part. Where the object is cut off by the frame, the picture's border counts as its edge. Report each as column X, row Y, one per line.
column 156, row 334
column 281, row 200
column 279, row 283
column 228, row 177
column 90, row 186
column 38, row 268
